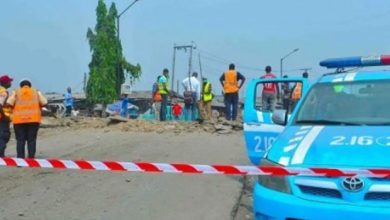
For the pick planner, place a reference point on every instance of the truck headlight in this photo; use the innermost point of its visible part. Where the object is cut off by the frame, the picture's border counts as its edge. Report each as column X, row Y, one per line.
column 277, row 183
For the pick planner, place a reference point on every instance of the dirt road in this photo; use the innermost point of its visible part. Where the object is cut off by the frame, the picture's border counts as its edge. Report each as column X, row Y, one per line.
column 54, row 194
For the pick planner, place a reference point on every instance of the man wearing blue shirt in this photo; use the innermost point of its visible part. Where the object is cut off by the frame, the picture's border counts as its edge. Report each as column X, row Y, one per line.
column 68, row 102
column 125, row 106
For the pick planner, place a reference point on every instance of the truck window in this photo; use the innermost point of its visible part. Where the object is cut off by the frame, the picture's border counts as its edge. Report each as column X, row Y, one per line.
column 267, row 97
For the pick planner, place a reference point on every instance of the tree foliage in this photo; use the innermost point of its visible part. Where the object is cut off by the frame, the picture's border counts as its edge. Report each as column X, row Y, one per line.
column 106, row 52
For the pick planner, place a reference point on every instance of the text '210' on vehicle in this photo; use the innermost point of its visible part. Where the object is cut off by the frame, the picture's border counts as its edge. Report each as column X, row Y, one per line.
column 341, row 121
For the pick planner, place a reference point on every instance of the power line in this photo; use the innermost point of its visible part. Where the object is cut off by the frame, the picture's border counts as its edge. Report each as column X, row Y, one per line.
column 212, row 59
column 208, row 67
column 226, row 61
column 215, row 56
column 78, row 86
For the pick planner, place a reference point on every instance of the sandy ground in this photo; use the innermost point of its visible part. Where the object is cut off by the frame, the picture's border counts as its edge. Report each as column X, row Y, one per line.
column 57, row 194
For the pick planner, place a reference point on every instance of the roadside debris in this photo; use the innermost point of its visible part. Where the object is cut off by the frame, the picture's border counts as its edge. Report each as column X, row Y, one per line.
column 220, row 126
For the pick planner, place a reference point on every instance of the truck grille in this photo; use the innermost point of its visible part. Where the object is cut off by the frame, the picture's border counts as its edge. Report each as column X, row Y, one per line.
column 377, row 190
column 378, row 196
column 317, row 191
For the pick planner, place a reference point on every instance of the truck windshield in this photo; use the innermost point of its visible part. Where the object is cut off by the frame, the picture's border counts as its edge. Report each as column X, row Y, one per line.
column 347, row 103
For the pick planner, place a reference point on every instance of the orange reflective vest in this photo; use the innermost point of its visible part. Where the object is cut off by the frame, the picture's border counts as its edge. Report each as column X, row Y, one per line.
column 231, row 84
column 157, row 97
column 7, row 109
column 27, row 108
column 297, row 93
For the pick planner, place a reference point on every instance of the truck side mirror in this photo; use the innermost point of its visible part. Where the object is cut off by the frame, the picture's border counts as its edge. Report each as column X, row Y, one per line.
column 279, row 117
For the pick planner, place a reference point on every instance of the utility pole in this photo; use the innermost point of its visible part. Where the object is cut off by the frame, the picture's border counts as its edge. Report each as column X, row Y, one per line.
column 173, row 69
column 118, row 61
column 200, row 67
column 185, row 48
column 190, row 63
column 85, row 83
column 281, row 68
column 281, row 61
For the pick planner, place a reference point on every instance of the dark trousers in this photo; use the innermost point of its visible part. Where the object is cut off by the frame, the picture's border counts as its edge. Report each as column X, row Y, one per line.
column 286, row 103
column 4, row 135
column 231, row 102
column 68, row 111
column 190, row 109
column 163, row 109
column 26, row 133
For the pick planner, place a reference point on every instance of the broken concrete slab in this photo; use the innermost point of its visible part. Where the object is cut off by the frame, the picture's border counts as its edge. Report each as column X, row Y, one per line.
column 118, row 118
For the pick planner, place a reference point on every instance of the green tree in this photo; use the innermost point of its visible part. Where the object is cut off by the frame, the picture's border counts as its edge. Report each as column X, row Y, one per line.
column 106, row 51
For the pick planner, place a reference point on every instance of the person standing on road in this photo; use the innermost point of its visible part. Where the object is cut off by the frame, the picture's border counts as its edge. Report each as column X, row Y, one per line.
column 27, row 103
column 5, row 113
column 191, row 87
column 270, row 92
column 156, row 98
column 207, row 98
column 68, row 101
column 297, row 91
column 164, row 92
column 229, row 81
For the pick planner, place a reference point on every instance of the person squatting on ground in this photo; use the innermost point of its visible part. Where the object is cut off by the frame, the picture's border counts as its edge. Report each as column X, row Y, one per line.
column 207, row 98
column 229, row 81
column 176, row 110
column 164, row 92
column 191, row 94
column 270, row 92
column 156, row 98
column 68, row 102
column 124, row 112
column 27, row 103
column 5, row 113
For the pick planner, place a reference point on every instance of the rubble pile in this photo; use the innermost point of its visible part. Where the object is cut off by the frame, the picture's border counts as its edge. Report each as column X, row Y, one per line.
column 73, row 122
column 219, row 126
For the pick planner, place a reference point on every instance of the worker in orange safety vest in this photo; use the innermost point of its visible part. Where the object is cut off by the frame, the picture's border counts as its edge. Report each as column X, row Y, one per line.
column 27, row 103
column 229, row 81
column 156, row 99
column 297, row 91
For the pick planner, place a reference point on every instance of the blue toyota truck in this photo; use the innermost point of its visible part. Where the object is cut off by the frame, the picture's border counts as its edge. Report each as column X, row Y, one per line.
column 341, row 121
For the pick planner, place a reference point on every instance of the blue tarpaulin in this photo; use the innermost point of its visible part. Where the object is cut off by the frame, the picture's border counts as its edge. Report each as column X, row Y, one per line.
column 115, row 109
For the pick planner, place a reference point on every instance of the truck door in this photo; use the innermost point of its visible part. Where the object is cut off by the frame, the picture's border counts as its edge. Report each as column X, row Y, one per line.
column 259, row 130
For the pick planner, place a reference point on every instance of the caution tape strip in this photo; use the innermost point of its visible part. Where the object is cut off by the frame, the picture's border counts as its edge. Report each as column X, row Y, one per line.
column 183, row 168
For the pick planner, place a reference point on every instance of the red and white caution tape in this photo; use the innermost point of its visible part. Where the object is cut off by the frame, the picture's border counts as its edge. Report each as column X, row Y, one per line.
column 182, row 168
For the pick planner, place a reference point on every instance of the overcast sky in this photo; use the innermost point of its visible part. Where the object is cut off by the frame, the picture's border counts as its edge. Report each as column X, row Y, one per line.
column 45, row 40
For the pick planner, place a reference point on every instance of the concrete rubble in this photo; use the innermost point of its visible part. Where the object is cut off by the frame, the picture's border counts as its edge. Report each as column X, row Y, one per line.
column 218, row 126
